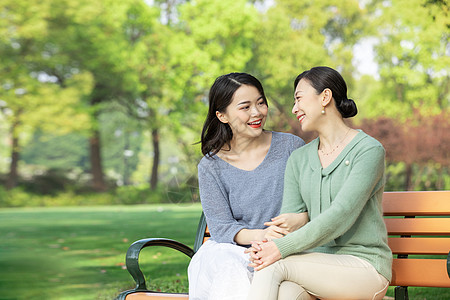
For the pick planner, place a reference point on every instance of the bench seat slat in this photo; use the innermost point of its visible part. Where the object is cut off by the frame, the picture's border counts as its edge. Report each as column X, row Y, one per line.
column 417, row 246
column 436, row 203
column 418, row 226
column 420, row 272
column 155, row 296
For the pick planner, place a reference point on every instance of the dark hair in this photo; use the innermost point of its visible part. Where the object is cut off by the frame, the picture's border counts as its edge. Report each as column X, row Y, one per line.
column 321, row 78
column 216, row 134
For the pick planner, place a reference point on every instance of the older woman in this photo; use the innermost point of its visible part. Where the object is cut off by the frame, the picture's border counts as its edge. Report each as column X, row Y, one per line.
column 338, row 178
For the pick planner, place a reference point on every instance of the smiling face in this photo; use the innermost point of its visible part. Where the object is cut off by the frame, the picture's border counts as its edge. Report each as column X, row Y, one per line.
column 307, row 105
column 246, row 113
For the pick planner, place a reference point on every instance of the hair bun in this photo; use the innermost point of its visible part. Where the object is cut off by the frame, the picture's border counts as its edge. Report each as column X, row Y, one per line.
column 348, row 108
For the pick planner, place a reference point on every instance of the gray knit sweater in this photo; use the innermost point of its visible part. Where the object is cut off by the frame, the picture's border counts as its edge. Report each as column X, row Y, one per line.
column 234, row 199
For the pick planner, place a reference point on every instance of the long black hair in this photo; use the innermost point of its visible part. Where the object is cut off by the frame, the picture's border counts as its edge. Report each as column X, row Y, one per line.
column 216, row 134
column 321, row 78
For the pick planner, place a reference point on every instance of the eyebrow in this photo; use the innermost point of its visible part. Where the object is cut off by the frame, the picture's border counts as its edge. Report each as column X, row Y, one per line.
column 248, row 101
column 295, row 94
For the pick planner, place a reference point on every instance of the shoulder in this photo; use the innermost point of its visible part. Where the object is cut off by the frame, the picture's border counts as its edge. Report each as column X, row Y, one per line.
column 208, row 163
column 307, row 148
column 368, row 142
column 283, row 137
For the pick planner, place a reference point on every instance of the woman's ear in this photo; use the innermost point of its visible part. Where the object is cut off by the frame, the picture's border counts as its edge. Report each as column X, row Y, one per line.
column 326, row 96
column 222, row 118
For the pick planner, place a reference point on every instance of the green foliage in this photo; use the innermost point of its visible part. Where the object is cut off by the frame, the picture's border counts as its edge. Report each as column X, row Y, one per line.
column 226, row 38
column 46, row 194
column 19, row 197
column 122, row 139
column 77, row 68
column 413, row 58
column 57, row 151
column 296, row 35
column 137, row 195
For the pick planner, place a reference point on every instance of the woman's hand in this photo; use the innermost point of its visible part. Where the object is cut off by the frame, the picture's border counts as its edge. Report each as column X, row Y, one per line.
column 253, row 250
column 289, row 221
column 274, row 232
column 263, row 254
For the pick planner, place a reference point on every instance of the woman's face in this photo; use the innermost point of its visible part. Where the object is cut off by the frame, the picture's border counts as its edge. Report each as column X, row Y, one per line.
column 246, row 113
column 307, row 105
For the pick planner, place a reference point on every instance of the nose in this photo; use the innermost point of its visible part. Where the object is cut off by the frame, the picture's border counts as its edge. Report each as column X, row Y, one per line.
column 255, row 111
column 295, row 108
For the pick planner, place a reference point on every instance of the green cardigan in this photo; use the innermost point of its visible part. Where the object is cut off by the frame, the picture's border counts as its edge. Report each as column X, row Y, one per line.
column 343, row 202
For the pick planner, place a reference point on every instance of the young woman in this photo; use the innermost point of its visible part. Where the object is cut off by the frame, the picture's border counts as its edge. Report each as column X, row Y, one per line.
column 241, row 185
column 338, row 178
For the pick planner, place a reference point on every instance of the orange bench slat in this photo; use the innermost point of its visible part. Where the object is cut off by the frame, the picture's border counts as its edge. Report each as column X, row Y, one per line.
column 418, row 226
column 435, row 203
column 416, row 246
column 206, row 235
column 420, row 272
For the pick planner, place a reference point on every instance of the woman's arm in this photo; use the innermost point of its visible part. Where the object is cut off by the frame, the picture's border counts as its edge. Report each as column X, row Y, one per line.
column 247, row 236
column 214, row 198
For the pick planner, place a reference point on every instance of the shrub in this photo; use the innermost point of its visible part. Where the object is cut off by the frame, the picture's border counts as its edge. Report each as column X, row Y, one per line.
column 19, row 197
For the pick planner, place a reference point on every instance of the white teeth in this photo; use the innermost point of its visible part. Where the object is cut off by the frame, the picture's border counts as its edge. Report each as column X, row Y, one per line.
column 255, row 123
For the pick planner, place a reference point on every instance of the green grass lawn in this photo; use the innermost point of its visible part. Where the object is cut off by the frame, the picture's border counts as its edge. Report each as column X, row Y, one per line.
column 79, row 252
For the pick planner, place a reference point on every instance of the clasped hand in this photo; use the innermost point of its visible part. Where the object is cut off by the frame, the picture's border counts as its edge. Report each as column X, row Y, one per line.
column 263, row 254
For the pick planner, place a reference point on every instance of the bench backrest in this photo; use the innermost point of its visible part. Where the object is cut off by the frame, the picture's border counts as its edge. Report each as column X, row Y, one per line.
column 418, row 225
column 202, row 233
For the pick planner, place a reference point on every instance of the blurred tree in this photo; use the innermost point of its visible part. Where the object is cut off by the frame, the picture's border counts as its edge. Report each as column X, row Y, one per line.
column 177, row 59
column 90, row 37
column 120, row 149
column 419, row 141
column 31, row 100
column 65, row 151
column 297, row 35
column 159, row 88
column 223, row 34
column 66, row 65
column 413, row 58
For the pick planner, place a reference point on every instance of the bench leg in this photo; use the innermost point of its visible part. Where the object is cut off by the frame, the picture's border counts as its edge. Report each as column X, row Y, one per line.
column 401, row 292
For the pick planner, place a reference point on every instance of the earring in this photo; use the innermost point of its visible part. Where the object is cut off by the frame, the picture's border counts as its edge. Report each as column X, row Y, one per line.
column 323, row 110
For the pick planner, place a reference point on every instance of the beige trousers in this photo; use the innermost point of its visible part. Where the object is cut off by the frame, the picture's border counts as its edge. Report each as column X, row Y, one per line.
column 318, row 275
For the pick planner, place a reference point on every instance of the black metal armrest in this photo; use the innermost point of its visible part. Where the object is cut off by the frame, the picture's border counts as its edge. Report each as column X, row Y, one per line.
column 132, row 258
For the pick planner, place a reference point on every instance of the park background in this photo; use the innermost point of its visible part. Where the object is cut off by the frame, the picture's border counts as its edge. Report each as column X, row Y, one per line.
column 102, row 104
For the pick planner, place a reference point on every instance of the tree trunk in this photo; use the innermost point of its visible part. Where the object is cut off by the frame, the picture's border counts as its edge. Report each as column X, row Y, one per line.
column 408, row 177
column 154, row 175
column 418, row 178
column 13, row 174
column 440, row 179
column 98, row 182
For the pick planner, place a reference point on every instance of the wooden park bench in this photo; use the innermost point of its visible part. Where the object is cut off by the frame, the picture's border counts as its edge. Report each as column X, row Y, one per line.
column 418, row 225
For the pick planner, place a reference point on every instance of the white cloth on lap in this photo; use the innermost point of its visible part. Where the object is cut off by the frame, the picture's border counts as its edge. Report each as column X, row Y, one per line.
column 224, row 274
